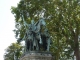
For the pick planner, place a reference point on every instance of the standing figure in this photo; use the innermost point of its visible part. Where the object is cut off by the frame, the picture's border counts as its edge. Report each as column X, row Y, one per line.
column 29, row 39
column 46, row 39
column 37, row 32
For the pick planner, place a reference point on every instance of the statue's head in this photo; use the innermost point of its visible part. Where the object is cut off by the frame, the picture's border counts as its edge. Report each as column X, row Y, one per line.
column 42, row 22
column 32, row 22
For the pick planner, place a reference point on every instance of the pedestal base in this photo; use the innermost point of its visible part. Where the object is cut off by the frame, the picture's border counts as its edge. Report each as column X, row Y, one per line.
column 35, row 55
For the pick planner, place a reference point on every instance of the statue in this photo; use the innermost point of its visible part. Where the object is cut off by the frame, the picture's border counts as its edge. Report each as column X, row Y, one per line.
column 36, row 40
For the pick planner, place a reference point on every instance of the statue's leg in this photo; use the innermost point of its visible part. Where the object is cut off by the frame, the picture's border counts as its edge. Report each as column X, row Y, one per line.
column 37, row 48
column 40, row 40
column 25, row 46
column 34, row 44
column 48, row 44
column 30, row 46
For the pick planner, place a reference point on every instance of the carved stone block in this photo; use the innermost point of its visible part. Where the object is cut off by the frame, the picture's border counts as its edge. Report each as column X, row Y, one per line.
column 35, row 55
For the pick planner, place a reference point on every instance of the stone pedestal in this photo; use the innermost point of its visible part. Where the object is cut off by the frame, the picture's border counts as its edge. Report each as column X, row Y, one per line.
column 35, row 55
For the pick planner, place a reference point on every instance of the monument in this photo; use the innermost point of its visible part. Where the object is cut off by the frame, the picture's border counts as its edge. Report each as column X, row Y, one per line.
column 37, row 41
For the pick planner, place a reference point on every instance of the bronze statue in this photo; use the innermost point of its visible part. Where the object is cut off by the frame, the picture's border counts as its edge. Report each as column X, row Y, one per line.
column 35, row 39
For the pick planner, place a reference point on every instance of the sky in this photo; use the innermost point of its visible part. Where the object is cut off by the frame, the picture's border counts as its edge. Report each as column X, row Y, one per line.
column 7, row 25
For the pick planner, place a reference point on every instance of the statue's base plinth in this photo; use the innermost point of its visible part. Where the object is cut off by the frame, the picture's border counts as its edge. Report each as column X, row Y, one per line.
column 35, row 55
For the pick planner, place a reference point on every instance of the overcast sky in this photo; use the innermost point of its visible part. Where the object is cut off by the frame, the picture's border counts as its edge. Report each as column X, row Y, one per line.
column 7, row 25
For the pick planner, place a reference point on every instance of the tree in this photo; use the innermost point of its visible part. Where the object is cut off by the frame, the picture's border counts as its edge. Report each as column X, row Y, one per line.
column 63, row 22
column 13, row 52
column 66, row 24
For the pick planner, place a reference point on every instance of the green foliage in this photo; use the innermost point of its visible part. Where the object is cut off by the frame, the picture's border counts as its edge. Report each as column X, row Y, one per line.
column 14, row 51
column 63, row 22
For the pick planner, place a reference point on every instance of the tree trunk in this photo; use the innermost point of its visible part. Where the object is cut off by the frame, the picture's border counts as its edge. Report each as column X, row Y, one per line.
column 76, row 49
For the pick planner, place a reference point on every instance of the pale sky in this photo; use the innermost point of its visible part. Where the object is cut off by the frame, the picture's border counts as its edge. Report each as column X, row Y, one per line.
column 7, row 25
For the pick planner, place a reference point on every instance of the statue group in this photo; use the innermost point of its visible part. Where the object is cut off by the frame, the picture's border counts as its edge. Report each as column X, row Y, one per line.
column 37, row 37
